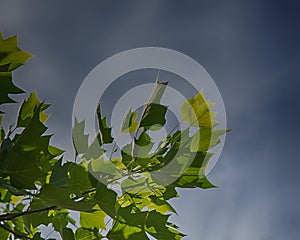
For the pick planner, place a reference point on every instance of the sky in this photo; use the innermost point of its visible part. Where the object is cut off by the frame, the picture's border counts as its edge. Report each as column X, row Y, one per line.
column 252, row 51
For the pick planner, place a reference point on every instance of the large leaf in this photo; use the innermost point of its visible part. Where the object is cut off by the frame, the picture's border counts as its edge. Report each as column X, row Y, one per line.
column 206, row 138
column 41, row 217
column 22, row 161
column 134, row 224
column 62, row 198
column 197, row 111
column 106, row 199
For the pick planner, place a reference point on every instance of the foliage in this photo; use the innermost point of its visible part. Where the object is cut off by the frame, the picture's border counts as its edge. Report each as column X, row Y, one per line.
column 38, row 188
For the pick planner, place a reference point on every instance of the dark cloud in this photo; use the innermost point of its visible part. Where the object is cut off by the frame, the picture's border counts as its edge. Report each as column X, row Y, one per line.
column 252, row 51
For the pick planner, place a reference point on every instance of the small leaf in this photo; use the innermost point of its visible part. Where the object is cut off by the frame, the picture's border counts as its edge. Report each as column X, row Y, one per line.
column 7, row 87
column 80, row 140
column 105, row 131
column 106, row 199
column 130, row 124
column 154, row 117
column 27, row 110
column 11, row 57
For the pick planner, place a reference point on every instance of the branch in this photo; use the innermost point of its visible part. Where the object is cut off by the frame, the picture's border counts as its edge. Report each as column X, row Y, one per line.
column 10, row 216
column 18, row 235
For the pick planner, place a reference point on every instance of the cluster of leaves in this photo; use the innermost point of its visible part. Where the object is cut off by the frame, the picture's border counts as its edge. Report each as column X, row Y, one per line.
column 117, row 197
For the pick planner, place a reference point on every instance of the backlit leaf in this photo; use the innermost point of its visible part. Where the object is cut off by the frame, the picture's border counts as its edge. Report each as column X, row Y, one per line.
column 197, row 111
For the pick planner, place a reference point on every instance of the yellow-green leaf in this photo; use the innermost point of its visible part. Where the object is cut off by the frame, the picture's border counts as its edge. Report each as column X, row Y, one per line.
column 197, row 111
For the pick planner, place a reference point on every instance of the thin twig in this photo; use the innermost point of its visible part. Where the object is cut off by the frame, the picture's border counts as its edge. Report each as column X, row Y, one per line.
column 10, row 216
column 18, row 235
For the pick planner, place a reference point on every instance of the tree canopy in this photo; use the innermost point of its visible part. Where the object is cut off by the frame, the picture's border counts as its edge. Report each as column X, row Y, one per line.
column 118, row 195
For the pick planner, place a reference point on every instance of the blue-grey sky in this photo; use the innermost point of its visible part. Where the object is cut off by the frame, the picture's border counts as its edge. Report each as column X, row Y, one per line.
column 252, row 51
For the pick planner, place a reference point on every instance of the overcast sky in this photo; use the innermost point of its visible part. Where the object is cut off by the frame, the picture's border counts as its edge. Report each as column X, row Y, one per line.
column 250, row 48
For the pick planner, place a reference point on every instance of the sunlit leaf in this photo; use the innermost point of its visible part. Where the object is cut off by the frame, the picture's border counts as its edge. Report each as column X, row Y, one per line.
column 197, row 111
column 92, row 220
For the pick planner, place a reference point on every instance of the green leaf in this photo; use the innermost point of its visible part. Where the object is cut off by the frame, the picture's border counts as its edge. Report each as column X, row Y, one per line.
column 42, row 217
column 130, row 124
column 29, row 148
column 106, row 199
column 92, row 220
column 13, row 190
column 133, row 224
column 54, row 151
column 62, row 198
column 80, row 140
column 37, row 236
column 197, row 111
column 60, row 220
column 7, row 87
column 60, row 174
column 4, row 234
column 153, row 116
column 84, row 234
column 121, row 231
column 79, row 179
column 11, row 55
column 194, row 175
column 27, row 110
column 94, row 150
column 67, row 233
column 206, row 138
column 105, row 131
column 104, row 170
